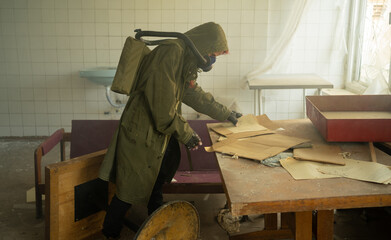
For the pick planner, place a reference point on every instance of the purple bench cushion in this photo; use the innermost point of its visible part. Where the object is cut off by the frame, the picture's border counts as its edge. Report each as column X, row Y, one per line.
column 197, row 177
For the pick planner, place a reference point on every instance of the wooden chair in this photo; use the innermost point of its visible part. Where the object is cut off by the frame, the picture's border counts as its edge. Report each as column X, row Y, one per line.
column 87, row 136
column 40, row 151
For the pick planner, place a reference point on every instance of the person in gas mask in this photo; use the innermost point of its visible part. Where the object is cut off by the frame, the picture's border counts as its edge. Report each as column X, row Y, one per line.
column 144, row 152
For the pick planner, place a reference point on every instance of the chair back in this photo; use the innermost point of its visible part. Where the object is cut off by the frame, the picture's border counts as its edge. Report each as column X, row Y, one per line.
column 51, row 141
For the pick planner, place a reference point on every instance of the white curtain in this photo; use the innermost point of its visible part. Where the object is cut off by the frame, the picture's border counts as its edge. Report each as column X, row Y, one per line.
column 375, row 61
column 282, row 43
column 339, row 45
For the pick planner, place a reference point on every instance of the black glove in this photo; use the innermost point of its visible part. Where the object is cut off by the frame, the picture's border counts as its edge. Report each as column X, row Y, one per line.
column 194, row 142
column 233, row 117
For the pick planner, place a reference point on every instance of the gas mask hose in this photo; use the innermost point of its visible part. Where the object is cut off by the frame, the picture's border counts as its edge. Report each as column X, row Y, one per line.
column 204, row 62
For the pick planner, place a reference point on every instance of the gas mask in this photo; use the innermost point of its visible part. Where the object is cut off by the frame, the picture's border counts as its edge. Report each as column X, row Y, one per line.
column 212, row 59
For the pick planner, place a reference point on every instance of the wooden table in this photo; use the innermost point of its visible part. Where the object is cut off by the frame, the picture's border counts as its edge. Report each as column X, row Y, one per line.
column 284, row 81
column 252, row 188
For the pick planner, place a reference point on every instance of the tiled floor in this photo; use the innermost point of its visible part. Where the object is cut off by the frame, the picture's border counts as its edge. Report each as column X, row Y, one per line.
column 17, row 217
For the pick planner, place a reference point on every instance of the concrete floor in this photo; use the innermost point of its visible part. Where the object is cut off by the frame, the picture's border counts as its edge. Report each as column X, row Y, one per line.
column 17, row 217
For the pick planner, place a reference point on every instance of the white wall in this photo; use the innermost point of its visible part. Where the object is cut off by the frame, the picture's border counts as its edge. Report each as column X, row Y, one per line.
column 317, row 47
column 44, row 44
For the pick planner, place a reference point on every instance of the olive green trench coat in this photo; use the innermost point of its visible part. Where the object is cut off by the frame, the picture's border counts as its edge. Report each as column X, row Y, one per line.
column 153, row 112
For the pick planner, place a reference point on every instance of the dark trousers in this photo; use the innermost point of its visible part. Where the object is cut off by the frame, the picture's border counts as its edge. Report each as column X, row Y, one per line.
column 116, row 212
column 167, row 171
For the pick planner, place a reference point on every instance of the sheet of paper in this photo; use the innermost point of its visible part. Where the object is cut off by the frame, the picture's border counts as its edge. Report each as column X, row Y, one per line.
column 360, row 170
column 325, row 153
column 300, row 170
column 247, row 123
column 256, row 148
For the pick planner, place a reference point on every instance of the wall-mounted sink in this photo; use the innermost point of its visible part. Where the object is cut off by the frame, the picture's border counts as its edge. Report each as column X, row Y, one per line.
column 102, row 76
column 99, row 75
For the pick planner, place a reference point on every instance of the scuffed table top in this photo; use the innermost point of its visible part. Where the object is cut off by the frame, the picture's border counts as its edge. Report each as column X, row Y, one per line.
column 253, row 188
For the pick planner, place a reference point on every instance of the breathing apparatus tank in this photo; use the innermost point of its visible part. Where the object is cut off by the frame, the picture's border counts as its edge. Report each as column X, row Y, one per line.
column 134, row 51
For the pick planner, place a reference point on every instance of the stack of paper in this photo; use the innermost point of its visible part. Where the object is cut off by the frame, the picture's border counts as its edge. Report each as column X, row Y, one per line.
column 253, row 140
column 250, row 139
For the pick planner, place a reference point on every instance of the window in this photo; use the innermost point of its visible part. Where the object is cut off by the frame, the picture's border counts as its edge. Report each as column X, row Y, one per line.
column 369, row 46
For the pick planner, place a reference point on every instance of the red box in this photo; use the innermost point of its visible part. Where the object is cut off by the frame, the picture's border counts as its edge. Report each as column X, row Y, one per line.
column 351, row 118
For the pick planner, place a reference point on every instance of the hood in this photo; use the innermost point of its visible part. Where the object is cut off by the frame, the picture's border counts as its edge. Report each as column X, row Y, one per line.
column 208, row 38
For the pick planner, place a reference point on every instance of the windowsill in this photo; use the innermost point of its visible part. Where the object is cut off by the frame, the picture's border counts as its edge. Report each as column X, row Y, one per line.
column 355, row 87
column 336, row 91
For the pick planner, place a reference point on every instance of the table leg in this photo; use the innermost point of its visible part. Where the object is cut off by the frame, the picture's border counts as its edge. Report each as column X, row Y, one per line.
column 372, row 151
column 304, row 110
column 303, row 225
column 271, row 221
column 255, row 102
column 287, row 220
column 319, row 91
column 324, row 228
column 261, row 106
column 300, row 223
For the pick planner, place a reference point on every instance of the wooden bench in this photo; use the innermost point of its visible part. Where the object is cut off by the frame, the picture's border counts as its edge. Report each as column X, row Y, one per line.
column 197, row 173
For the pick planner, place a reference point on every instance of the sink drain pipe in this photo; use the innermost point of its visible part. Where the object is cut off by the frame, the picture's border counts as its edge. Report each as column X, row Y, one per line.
column 114, row 104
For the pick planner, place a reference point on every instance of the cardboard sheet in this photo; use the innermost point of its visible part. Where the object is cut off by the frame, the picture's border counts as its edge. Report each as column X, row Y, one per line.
column 249, row 134
column 256, row 148
column 325, row 153
column 266, row 122
column 360, row 170
column 354, row 169
column 300, row 170
column 247, row 123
